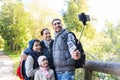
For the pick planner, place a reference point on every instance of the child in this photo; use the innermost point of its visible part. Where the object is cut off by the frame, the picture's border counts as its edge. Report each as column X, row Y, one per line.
column 31, row 64
column 44, row 72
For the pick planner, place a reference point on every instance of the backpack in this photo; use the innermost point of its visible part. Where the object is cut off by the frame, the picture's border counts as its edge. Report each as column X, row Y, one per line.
column 81, row 62
column 20, row 72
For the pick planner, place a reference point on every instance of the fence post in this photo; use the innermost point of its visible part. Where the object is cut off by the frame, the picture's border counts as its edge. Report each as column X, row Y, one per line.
column 87, row 74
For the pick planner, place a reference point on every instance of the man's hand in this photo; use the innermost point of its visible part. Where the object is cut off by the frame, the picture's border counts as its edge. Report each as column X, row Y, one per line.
column 76, row 55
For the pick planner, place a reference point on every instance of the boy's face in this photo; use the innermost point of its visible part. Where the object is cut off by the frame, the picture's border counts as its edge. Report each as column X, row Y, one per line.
column 46, row 35
column 36, row 46
column 44, row 62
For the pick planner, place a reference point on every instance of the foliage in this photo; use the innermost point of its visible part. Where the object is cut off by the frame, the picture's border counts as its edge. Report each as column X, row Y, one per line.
column 103, row 76
column 113, row 33
column 14, row 22
column 79, row 74
column 104, row 47
column 42, row 15
column 70, row 17
column 1, row 42
column 18, row 24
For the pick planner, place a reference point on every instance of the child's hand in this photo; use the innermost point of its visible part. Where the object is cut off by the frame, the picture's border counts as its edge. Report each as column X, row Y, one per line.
column 24, row 57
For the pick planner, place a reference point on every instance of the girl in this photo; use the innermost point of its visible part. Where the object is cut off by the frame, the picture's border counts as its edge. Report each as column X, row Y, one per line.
column 44, row 72
column 33, row 51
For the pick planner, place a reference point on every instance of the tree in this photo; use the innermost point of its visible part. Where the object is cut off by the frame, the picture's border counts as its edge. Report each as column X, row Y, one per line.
column 42, row 14
column 70, row 18
column 1, row 42
column 14, row 25
column 19, row 24
column 112, row 32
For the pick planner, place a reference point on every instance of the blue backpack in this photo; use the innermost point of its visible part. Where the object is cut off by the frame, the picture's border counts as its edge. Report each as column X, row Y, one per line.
column 81, row 62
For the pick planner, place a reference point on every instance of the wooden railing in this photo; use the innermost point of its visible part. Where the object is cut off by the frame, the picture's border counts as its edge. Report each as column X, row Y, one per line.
column 104, row 67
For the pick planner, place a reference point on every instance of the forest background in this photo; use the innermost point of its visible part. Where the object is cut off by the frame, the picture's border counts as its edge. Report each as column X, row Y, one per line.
column 19, row 24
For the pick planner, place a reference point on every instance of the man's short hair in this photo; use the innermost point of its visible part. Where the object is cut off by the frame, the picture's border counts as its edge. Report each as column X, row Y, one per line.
column 56, row 20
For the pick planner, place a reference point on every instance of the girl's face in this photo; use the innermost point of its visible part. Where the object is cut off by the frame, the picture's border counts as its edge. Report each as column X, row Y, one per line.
column 36, row 46
column 44, row 62
column 46, row 35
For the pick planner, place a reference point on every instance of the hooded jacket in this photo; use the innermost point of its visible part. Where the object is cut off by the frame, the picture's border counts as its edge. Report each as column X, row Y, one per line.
column 31, row 63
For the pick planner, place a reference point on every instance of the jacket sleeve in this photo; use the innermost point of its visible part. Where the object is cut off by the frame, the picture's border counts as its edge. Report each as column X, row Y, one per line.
column 53, row 75
column 71, row 43
column 29, row 66
column 36, row 77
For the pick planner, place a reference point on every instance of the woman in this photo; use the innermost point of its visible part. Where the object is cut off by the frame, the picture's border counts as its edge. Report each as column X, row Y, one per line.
column 47, row 44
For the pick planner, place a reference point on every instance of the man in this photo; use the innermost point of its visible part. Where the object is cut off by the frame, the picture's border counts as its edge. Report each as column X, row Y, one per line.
column 64, row 52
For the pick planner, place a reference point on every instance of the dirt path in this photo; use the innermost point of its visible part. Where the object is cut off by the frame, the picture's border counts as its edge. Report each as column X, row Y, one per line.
column 6, row 68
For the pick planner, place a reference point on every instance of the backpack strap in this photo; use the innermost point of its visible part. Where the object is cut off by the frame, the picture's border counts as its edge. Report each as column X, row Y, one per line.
column 81, row 62
column 73, row 35
column 75, row 38
column 79, row 47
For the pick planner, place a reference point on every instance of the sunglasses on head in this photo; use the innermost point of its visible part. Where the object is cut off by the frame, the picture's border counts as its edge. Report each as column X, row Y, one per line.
column 57, row 23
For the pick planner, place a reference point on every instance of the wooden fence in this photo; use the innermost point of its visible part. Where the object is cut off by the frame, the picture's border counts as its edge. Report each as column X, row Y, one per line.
column 104, row 67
